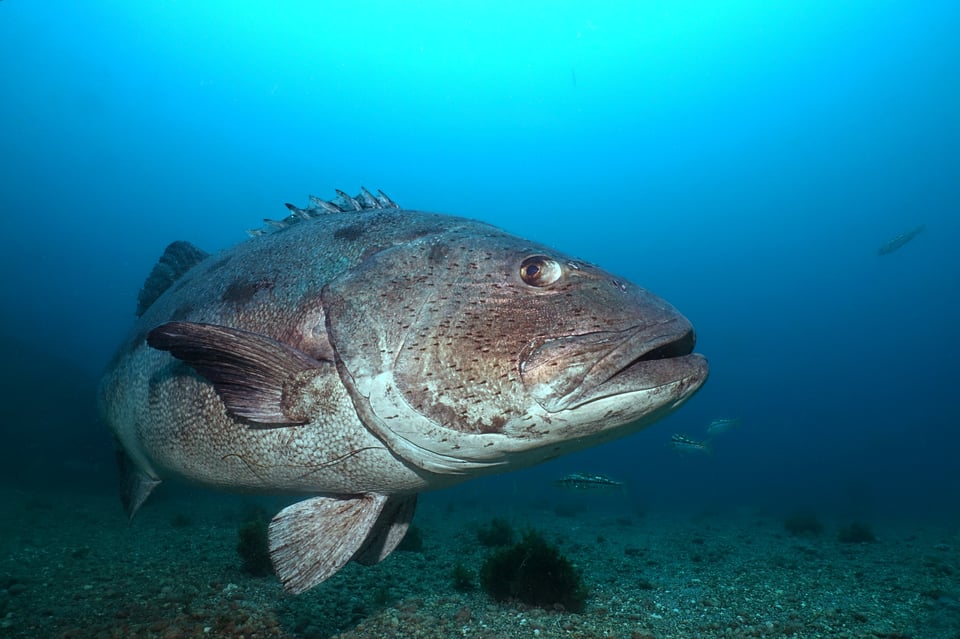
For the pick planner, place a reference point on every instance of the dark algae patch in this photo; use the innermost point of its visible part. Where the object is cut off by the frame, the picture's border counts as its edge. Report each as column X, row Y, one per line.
column 534, row 572
column 253, row 548
column 412, row 541
column 462, row 578
column 498, row 532
column 856, row 533
column 803, row 523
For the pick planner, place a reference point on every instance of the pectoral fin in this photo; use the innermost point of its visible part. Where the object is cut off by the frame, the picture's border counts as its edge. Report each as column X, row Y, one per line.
column 253, row 374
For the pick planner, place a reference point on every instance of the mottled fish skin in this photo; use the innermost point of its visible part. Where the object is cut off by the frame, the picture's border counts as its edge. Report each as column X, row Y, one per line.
column 362, row 352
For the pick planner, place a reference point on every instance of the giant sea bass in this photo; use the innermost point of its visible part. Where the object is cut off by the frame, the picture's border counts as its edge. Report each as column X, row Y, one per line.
column 359, row 353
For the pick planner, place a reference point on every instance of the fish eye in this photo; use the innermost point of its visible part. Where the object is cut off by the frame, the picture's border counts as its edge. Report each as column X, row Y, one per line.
column 540, row 270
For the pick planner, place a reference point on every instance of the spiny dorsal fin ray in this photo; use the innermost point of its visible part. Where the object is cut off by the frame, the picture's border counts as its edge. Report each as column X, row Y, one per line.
column 177, row 259
column 386, row 201
column 303, row 214
column 348, row 202
column 368, row 200
column 328, row 207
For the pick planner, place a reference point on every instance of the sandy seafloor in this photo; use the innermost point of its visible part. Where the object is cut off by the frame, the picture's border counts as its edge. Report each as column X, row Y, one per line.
column 72, row 566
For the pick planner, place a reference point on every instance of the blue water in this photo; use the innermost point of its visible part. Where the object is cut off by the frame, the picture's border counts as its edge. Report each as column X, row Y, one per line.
column 744, row 160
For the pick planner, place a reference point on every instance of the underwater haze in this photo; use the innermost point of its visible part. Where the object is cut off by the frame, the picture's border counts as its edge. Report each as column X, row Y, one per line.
column 747, row 161
column 743, row 160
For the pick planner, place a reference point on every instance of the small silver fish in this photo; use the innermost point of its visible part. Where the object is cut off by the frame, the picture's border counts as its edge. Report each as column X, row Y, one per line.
column 896, row 242
column 588, row 482
column 722, row 425
column 683, row 444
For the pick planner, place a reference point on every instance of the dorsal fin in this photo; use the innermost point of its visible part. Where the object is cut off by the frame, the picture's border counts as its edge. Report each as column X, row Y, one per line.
column 344, row 203
column 177, row 259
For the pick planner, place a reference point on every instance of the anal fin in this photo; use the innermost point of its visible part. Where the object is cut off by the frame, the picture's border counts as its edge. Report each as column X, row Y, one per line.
column 388, row 531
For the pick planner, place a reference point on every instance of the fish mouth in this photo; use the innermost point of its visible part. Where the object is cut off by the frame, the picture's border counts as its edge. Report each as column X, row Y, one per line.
column 671, row 348
column 568, row 372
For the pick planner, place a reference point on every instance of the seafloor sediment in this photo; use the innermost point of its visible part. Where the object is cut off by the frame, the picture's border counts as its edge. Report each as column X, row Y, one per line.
column 73, row 567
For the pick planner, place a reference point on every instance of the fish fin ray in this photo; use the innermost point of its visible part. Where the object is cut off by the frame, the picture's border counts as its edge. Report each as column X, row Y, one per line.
column 252, row 373
column 178, row 258
column 343, row 203
column 312, row 539
column 388, row 531
column 135, row 485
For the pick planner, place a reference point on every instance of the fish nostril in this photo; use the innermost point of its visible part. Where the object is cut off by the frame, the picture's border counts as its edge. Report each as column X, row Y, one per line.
column 620, row 285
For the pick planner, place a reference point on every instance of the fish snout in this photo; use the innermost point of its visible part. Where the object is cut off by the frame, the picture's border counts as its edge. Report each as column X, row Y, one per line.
column 570, row 371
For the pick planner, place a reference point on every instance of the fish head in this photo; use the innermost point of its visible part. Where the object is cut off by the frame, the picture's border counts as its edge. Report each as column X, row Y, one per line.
column 469, row 350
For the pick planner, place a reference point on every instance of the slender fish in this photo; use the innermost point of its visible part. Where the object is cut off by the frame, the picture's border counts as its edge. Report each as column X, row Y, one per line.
column 584, row 482
column 683, row 444
column 894, row 243
column 722, row 425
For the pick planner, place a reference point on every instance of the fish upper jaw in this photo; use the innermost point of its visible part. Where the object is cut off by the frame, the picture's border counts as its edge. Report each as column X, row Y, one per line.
column 564, row 374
